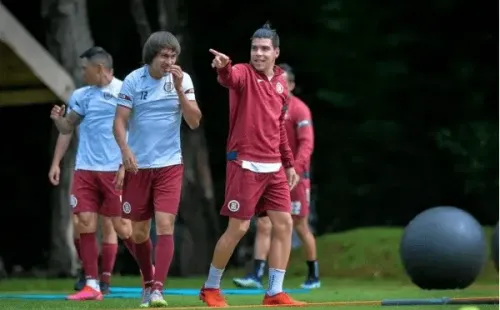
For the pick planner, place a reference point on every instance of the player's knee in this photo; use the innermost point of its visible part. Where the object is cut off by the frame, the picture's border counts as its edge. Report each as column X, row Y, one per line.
column 282, row 223
column 87, row 222
column 301, row 225
column 237, row 228
column 264, row 226
column 123, row 227
column 76, row 232
column 108, row 230
column 140, row 231
column 164, row 223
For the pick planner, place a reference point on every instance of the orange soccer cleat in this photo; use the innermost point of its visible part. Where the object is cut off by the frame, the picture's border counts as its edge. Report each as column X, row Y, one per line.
column 281, row 299
column 213, row 297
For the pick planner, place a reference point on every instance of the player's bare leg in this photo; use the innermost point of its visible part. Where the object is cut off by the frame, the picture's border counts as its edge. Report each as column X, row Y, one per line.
column 109, row 249
column 164, row 253
column 143, row 253
column 261, row 251
column 123, row 228
column 80, row 282
column 301, row 225
column 279, row 254
column 210, row 293
column 87, row 226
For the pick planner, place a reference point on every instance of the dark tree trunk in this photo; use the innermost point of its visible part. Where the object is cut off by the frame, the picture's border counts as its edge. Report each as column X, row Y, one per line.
column 141, row 19
column 197, row 216
column 67, row 35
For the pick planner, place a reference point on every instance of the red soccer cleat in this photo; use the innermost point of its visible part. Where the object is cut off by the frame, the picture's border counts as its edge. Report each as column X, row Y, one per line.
column 213, row 297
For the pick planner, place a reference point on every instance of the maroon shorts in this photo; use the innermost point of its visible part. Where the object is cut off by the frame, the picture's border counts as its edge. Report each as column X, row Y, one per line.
column 249, row 193
column 94, row 191
column 300, row 197
column 150, row 190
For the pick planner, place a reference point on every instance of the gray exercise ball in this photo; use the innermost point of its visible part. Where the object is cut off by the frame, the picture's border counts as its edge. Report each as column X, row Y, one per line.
column 443, row 248
column 494, row 247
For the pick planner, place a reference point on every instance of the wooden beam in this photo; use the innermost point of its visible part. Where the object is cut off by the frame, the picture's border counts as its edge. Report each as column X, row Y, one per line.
column 13, row 71
column 26, row 97
column 35, row 56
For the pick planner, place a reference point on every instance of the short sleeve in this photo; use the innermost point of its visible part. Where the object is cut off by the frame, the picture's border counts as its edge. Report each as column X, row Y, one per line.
column 127, row 91
column 188, row 87
column 76, row 103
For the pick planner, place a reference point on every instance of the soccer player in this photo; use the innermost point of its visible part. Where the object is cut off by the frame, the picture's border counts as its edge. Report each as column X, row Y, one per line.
column 260, row 167
column 109, row 238
column 301, row 139
column 93, row 192
column 152, row 102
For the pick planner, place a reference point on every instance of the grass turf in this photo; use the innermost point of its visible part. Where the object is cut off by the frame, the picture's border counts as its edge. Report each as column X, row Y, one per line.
column 357, row 265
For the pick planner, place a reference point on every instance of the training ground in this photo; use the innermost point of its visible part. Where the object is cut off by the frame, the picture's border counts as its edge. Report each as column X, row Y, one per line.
column 360, row 270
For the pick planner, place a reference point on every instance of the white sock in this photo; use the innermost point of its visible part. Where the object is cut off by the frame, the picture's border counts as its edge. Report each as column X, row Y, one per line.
column 276, row 277
column 93, row 283
column 214, row 276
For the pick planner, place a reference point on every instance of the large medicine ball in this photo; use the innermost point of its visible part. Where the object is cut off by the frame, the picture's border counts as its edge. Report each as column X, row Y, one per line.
column 443, row 248
column 494, row 247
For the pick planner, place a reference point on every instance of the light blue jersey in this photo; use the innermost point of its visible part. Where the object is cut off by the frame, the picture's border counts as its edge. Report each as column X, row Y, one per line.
column 155, row 123
column 97, row 148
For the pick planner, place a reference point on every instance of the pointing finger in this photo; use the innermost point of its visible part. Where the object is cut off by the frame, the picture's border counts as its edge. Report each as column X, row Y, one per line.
column 214, row 52
column 218, row 54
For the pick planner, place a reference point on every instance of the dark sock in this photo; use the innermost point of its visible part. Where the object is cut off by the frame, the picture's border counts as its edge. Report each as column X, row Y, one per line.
column 312, row 269
column 164, row 253
column 259, row 266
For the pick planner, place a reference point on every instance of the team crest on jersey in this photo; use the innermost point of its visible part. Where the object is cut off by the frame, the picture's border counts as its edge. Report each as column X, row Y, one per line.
column 127, row 208
column 168, row 87
column 279, row 88
column 73, row 201
column 233, row 205
column 107, row 95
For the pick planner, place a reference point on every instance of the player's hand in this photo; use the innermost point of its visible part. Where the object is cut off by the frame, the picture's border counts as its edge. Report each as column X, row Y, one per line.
column 54, row 174
column 57, row 112
column 178, row 75
column 129, row 162
column 292, row 177
column 220, row 60
column 120, row 175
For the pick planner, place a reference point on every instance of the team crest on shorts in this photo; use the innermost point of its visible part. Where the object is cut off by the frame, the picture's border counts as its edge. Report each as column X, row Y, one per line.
column 73, row 201
column 126, row 207
column 168, row 87
column 279, row 88
column 107, row 95
column 233, row 206
column 296, row 207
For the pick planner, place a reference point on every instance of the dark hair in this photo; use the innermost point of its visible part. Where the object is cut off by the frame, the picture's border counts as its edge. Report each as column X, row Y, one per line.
column 265, row 32
column 289, row 71
column 98, row 55
column 158, row 41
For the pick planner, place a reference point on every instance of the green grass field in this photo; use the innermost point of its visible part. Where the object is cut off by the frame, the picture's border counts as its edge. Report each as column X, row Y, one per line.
column 359, row 265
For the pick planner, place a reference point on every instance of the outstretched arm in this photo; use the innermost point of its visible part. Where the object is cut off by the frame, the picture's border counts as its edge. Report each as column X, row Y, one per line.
column 227, row 75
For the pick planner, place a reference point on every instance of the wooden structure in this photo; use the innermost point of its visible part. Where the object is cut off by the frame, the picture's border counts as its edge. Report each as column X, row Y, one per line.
column 28, row 73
